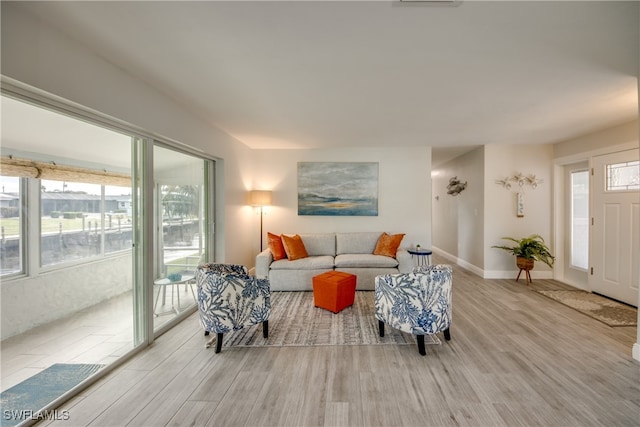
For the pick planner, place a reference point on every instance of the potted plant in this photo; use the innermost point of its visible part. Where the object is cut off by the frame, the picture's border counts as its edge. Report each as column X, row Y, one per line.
column 527, row 250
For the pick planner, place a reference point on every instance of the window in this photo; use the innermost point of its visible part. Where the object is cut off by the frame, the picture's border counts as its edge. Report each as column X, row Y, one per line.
column 11, row 226
column 623, row 176
column 580, row 219
column 118, row 221
column 82, row 220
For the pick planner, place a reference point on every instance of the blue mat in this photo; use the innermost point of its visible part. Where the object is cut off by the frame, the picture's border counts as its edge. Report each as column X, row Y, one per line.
column 23, row 400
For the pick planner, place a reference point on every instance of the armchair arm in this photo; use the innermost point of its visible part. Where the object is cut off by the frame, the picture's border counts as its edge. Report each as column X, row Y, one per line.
column 405, row 262
column 263, row 261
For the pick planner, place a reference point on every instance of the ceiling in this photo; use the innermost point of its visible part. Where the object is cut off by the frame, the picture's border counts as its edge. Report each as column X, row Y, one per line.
column 328, row 74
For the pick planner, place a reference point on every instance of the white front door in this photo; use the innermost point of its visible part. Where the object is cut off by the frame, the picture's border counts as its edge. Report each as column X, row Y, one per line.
column 615, row 246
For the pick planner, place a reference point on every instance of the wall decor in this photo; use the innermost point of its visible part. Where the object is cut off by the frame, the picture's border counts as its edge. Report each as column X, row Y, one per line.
column 523, row 181
column 520, row 205
column 338, row 188
column 455, row 186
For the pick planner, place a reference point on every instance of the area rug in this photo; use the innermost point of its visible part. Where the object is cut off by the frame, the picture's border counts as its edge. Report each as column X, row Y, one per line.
column 607, row 311
column 25, row 399
column 295, row 321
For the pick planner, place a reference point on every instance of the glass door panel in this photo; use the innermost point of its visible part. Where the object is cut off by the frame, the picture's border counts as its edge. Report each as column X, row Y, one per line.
column 180, row 239
column 73, row 243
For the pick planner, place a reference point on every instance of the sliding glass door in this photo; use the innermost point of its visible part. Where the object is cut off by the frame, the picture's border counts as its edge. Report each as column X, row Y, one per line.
column 181, row 237
column 101, row 231
column 67, row 258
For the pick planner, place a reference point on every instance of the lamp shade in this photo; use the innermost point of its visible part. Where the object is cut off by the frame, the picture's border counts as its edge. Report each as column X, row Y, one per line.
column 259, row 198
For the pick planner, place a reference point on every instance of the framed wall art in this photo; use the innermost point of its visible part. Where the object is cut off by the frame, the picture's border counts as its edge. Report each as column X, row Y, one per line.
column 338, row 188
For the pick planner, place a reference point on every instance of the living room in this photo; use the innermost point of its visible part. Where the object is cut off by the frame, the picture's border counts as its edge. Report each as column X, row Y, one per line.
column 41, row 62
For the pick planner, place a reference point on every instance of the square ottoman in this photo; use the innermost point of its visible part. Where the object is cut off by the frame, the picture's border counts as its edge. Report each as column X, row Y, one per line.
column 334, row 290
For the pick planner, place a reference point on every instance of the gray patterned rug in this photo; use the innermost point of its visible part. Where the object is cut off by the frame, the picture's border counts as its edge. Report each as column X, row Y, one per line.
column 607, row 311
column 295, row 321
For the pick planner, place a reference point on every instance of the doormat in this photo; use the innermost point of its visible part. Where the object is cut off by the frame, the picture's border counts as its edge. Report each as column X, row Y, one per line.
column 24, row 400
column 607, row 311
column 295, row 321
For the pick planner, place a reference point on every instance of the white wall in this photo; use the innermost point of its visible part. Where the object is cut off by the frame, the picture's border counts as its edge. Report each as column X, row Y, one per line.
column 458, row 221
column 500, row 205
column 404, row 192
column 606, row 141
column 32, row 301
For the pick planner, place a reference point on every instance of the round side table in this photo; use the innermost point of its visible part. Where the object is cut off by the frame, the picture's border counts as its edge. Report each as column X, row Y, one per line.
column 422, row 256
column 186, row 279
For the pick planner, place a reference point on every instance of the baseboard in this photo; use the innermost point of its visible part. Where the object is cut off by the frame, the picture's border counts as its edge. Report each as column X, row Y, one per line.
column 462, row 263
column 490, row 274
column 512, row 274
column 576, row 285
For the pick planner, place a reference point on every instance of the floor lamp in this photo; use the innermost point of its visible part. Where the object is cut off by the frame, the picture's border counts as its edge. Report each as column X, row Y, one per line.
column 260, row 198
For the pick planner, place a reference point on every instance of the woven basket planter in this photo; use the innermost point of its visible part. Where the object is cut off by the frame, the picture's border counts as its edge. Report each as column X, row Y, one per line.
column 524, row 263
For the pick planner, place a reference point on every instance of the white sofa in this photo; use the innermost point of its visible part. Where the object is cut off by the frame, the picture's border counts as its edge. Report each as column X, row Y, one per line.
column 348, row 252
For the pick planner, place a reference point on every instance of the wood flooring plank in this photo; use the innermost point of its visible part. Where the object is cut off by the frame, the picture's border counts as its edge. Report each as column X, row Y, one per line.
column 516, row 358
column 246, row 388
column 135, row 399
column 99, row 398
column 176, row 392
column 192, row 413
column 337, row 415
column 225, row 367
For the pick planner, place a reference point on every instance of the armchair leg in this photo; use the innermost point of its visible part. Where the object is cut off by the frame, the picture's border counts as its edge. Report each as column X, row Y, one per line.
column 381, row 327
column 447, row 334
column 206, row 333
column 265, row 329
column 219, row 343
column 421, row 349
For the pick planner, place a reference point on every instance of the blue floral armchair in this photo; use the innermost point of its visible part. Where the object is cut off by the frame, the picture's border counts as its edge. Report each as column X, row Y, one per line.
column 229, row 299
column 418, row 303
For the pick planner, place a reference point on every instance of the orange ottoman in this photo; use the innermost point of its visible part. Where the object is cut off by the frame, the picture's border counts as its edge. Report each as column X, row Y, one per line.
column 334, row 290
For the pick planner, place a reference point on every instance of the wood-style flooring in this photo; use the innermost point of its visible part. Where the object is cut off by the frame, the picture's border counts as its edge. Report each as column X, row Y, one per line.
column 516, row 358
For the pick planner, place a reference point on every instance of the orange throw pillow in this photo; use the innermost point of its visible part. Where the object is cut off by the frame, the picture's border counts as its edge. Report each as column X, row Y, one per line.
column 294, row 247
column 276, row 247
column 388, row 244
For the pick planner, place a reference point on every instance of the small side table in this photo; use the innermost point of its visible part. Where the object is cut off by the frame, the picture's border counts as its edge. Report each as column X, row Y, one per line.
column 422, row 256
column 164, row 282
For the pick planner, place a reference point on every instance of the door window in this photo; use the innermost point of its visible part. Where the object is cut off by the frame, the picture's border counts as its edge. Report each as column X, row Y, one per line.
column 623, row 176
column 580, row 219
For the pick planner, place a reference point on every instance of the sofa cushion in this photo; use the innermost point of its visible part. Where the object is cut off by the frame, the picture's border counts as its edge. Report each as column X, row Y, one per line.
column 276, row 247
column 320, row 243
column 365, row 260
column 308, row 263
column 356, row 243
column 388, row 244
column 294, row 247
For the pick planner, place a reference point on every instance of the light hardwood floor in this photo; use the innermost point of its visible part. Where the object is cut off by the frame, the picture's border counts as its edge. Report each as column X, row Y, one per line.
column 515, row 358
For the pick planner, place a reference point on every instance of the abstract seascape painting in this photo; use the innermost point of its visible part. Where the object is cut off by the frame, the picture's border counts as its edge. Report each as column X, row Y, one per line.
column 338, row 188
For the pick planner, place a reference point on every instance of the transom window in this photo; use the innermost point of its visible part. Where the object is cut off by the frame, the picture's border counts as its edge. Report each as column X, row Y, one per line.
column 623, row 176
